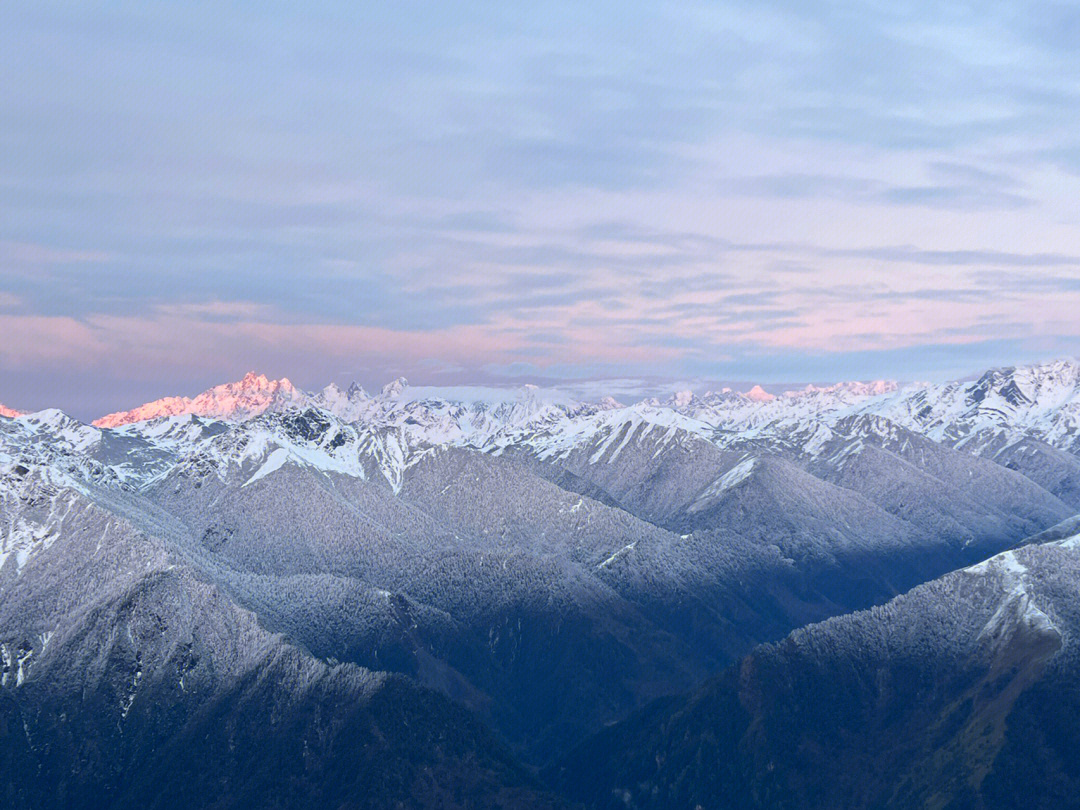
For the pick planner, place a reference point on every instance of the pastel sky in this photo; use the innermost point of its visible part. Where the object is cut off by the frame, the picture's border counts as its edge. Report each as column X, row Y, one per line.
column 767, row 191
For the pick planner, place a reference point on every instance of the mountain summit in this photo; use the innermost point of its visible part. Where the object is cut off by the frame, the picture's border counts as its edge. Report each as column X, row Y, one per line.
column 395, row 388
column 759, row 394
column 251, row 396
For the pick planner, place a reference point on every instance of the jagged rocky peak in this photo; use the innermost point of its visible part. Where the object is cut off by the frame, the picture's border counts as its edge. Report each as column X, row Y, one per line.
column 252, row 380
column 334, row 393
column 349, row 405
column 725, row 394
column 333, row 390
column 249, row 396
column 395, row 388
column 252, row 387
column 1002, row 405
column 874, row 388
column 680, row 399
column 1020, row 386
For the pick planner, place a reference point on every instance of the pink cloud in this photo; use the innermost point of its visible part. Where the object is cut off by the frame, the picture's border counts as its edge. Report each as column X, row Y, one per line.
column 181, row 337
column 29, row 253
column 224, row 337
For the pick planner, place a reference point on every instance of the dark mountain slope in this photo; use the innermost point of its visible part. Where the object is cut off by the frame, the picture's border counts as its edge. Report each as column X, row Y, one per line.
column 959, row 694
column 129, row 680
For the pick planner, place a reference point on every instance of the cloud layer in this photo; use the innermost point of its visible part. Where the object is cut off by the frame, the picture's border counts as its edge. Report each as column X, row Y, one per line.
column 742, row 190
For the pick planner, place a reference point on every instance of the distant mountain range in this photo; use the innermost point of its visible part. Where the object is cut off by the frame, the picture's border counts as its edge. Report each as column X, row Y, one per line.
column 262, row 596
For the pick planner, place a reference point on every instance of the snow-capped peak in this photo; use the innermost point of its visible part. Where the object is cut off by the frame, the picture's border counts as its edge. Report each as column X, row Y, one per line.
column 395, row 388
column 875, row 388
column 45, row 435
column 682, row 398
column 349, row 405
column 250, row 396
column 334, row 393
column 11, row 413
column 1000, row 406
column 759, row 394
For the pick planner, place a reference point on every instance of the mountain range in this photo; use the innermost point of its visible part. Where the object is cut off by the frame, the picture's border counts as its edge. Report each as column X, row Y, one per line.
column 448, row 596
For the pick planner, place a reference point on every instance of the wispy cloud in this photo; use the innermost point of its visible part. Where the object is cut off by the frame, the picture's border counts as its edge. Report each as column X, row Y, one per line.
column 23, row 255
column 684, row 188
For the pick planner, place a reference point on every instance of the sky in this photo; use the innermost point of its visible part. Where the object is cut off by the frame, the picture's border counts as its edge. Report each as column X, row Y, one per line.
column 486, row 192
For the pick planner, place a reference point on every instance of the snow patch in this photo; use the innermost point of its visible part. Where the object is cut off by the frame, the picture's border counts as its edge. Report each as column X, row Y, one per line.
column 1017, row 608
column 620, row 553
column 273, row 462
column 732, row 478
column 1070, row 543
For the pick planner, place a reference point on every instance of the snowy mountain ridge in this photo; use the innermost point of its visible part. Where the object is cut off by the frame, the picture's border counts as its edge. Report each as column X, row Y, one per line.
column 255, row 394
column 352, row 432
column 1002, row 404
column 250, row 396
